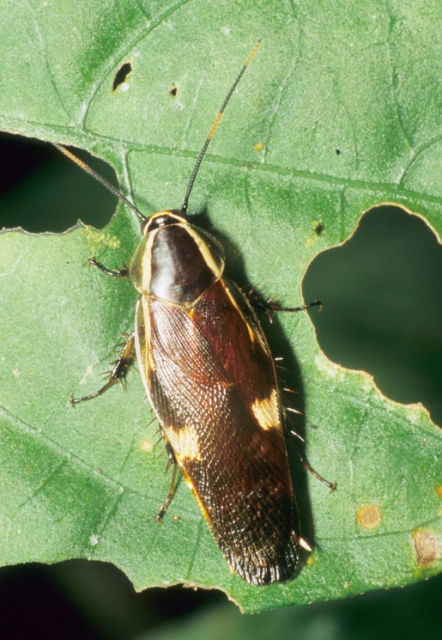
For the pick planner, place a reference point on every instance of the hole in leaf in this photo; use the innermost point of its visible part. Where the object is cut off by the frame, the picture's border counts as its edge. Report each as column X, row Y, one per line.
column 382, row 305
column 173, row 91
column 122, row 75
column 42, row 191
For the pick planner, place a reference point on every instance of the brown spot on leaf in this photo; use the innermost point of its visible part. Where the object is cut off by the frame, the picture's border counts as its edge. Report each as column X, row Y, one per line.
column 427, row 547
column 259, row 146
column 369, row 517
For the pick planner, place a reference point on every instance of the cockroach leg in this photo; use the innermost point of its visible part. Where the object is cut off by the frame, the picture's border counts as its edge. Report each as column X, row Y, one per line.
column 331, row 485
column 269, row 306
column 173, row 485
column 114, row 273
column 118, row 372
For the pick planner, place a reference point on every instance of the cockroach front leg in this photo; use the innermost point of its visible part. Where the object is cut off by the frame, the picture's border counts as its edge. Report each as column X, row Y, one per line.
column 121, row 366
column 114, row 273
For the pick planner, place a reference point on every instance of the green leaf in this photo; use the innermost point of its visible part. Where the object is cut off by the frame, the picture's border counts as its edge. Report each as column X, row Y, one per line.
column 361, row 78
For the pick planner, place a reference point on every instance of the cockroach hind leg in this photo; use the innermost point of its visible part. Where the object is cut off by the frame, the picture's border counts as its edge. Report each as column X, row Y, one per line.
column 114, row 273
column 119, row 370
column 173, row 484
column 331, row 485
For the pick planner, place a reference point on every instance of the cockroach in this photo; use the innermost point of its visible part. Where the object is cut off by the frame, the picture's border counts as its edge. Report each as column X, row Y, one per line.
column 211, row 380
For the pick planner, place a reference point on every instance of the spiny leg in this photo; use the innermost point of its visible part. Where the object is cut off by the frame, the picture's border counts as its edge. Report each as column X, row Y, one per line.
column 114, row 273
column 269, row 307
column 273, row 307
column 173, row 483
column 121, row 365
column 331, row 485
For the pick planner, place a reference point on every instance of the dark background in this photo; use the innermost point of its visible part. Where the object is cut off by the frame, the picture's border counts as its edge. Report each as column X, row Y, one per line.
column 382, row 313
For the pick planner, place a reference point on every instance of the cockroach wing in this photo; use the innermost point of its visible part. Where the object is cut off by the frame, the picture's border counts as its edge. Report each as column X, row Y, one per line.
column 211, row 380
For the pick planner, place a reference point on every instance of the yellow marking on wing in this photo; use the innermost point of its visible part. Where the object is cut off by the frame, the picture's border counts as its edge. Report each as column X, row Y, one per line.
column 185, row 443
column 266, row 412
